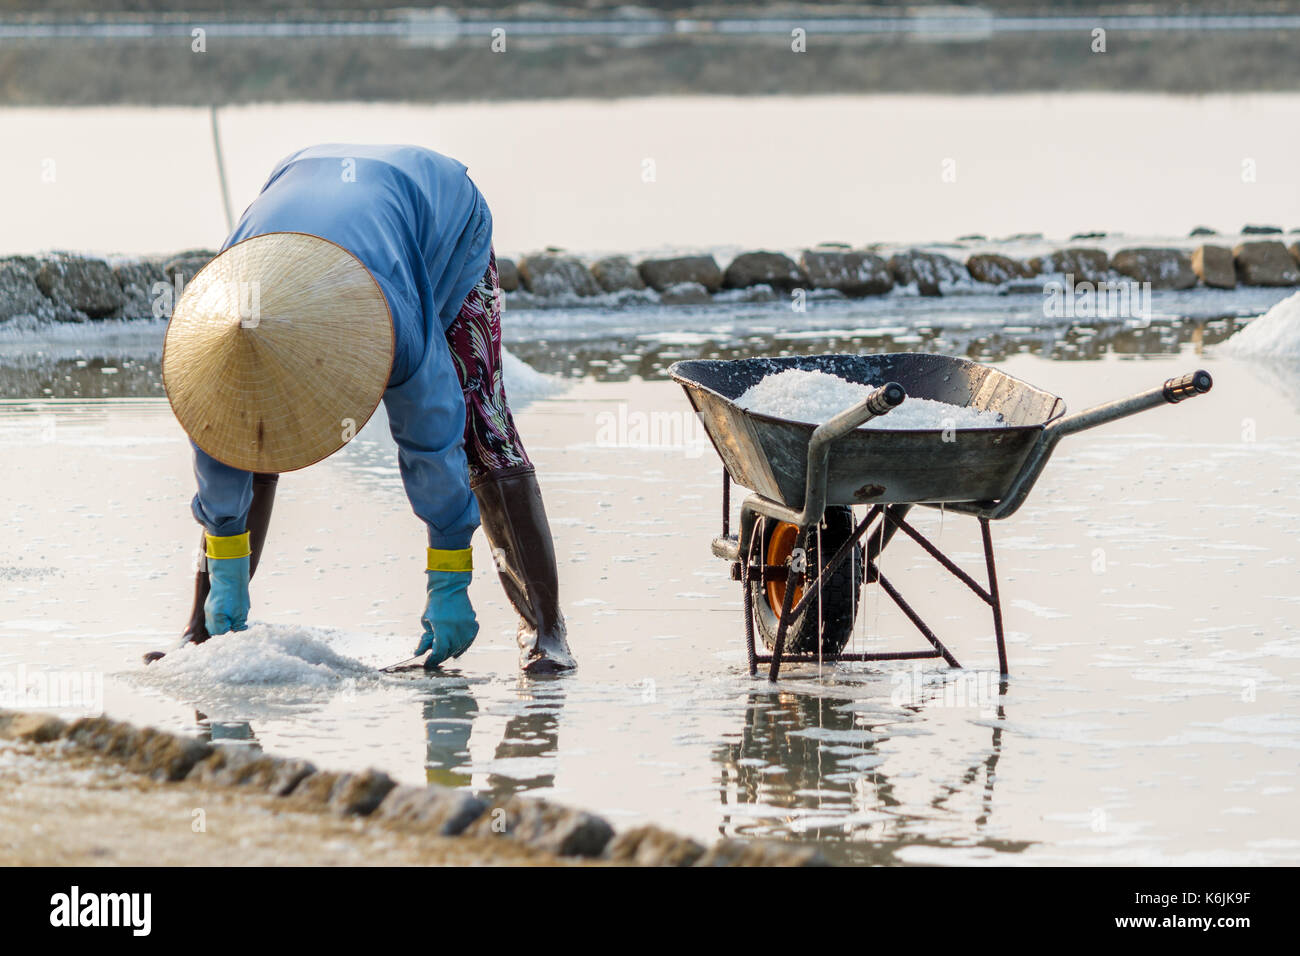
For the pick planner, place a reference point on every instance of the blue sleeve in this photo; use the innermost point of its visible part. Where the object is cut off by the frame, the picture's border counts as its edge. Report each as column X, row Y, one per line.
column 224, row 496
column 427, row 416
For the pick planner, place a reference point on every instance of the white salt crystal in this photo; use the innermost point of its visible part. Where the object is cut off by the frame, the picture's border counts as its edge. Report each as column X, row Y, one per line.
column 804, row 395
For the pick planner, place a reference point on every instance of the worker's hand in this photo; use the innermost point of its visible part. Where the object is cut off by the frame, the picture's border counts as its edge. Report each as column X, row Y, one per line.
column 449, row 623
column 226, row 608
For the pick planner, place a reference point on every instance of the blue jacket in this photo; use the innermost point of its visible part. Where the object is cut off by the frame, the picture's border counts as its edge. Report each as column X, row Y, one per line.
column 418, row 223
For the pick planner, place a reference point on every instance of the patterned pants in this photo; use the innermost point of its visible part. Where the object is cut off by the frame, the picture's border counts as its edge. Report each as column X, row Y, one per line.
column 492, row 442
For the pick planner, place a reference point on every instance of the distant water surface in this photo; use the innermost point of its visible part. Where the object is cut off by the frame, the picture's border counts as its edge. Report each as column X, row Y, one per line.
column 650, row 173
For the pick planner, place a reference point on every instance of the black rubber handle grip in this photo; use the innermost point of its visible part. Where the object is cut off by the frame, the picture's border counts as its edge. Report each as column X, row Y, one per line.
column 885, row 398
column 1188, row 386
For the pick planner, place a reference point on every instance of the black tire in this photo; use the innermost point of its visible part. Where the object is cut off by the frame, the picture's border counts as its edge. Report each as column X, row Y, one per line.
column 839, row 595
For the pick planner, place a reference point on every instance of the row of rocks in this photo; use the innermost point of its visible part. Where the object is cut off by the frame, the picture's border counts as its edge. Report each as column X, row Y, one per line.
column 1196, row 233
column 71, row 288
column 438, row 811
column 864, row 272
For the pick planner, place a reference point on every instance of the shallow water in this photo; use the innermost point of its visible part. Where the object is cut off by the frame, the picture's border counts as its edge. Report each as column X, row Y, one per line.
column 1149, row 588
column 647, row 173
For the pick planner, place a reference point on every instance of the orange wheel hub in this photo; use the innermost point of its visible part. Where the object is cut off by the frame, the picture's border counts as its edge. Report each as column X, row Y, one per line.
column 779, row 547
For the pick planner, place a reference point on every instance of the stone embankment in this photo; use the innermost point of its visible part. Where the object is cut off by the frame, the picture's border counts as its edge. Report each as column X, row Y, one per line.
column 70, row 288
column 430, row 813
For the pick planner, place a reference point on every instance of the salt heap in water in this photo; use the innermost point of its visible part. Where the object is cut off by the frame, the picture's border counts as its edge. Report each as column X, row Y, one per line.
column 804, row 395
column 264, row 655
column 1276, row 332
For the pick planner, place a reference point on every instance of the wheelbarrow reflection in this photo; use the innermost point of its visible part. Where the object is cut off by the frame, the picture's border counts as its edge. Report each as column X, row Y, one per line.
column 809, row 769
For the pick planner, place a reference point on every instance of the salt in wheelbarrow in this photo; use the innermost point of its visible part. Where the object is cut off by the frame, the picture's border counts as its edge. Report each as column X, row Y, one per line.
column 799, row 524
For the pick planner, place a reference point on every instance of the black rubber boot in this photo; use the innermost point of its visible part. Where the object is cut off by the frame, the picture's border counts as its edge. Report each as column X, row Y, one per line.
column 514, row 520
column 259, row 520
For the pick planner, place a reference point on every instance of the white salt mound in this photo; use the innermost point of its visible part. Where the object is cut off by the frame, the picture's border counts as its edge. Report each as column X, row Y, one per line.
column 803, row 395
column 1275, row 333
column 265, row 655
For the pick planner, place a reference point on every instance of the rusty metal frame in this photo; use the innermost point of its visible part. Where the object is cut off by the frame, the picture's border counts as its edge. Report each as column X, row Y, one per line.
column 891, row 518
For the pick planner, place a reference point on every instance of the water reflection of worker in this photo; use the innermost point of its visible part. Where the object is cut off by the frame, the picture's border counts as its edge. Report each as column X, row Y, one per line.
column 448, row 722
column 237, row 732
column 362, row 273
column 529, row 743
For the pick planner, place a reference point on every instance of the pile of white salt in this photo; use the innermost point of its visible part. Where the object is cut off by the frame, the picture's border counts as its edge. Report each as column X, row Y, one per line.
column 1274, row 334
column 804, row 395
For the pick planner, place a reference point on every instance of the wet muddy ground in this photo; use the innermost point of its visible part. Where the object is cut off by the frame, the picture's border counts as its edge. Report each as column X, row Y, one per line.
column 1152, row 714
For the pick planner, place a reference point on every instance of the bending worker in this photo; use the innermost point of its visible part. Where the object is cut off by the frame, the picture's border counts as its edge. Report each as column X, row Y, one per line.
column 361, row 274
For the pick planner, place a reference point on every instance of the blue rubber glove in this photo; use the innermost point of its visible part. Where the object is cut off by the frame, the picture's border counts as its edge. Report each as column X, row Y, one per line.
column 226, row 608
column 448, row 620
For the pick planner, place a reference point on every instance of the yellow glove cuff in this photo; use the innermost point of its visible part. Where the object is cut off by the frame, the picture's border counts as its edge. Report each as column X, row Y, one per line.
column 451, row 560
column 235, row 546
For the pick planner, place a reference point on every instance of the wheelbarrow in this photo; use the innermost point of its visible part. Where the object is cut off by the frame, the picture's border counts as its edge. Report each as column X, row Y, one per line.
column 797, row 552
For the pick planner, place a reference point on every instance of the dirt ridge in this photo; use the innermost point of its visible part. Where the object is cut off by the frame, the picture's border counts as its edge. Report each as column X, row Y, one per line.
column 517, row 829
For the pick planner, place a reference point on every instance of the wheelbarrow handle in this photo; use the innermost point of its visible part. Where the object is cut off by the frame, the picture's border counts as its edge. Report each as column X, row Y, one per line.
column 881, row 401
column 1188, row 386
column 1173, row 391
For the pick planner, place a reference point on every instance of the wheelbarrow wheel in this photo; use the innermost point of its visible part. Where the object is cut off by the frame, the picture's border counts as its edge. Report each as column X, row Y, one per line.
column 839, row 594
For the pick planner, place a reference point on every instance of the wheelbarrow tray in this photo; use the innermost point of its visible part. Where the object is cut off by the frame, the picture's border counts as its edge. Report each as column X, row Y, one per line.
column 769, row 455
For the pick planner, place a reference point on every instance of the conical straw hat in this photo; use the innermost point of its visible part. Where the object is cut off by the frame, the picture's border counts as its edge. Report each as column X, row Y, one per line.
column 278, row 352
